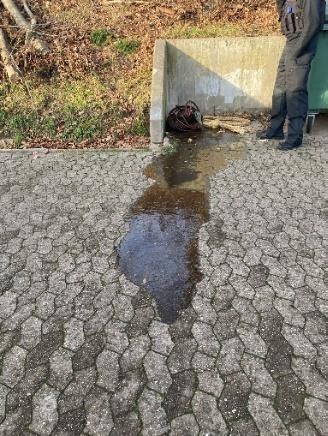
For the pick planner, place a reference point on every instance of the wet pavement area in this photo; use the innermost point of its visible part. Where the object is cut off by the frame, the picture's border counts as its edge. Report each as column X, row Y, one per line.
column 90, row 247
column 160, row 251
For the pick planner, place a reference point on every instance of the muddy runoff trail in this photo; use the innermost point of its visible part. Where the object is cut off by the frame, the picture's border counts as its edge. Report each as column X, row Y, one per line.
column 160, row 251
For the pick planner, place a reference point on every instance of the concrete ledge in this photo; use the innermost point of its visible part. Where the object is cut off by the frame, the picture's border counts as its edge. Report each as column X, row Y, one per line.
column 158, row 93
column 219, row 74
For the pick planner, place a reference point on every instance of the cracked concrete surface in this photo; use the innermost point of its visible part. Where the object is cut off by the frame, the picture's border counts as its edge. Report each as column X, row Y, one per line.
column 83, row 351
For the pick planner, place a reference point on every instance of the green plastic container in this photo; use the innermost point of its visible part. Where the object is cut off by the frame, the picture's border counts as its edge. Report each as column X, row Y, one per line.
column 318, row 81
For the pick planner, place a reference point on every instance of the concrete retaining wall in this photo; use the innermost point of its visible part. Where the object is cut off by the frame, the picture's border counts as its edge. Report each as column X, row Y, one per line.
column 219, row 74
column 158, row 110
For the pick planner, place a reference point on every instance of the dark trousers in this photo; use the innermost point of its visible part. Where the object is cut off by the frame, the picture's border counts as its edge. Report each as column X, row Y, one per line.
column 290, row 95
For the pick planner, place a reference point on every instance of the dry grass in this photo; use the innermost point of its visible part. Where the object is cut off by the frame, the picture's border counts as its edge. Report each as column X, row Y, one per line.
column 108, row 78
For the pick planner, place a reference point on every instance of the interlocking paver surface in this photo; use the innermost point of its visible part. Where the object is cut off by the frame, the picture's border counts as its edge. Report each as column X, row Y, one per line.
column 83, row 351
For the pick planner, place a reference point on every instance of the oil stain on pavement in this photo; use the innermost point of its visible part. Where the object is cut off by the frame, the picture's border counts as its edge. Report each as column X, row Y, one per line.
column 160, row 251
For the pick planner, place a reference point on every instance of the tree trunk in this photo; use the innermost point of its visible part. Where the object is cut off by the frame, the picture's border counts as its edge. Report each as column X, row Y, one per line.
column 8, row 62
column 11, row 7
column 28, row 26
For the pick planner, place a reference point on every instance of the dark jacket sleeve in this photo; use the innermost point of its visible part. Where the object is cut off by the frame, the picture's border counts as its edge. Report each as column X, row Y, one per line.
column 313, row 19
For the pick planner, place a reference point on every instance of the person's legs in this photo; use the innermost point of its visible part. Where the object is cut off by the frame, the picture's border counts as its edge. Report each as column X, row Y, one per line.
column 279, row 98
column 297, row 76
column 297, row 102
column 279, row 105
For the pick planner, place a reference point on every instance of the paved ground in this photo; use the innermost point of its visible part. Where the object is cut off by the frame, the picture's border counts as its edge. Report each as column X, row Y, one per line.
column 82, row 350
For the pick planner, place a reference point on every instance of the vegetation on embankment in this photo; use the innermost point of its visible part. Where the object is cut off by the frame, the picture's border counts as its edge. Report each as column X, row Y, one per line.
column 93, row 88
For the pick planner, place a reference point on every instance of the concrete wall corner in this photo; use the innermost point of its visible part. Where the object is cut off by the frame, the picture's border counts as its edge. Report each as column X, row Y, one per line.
column 158, row 93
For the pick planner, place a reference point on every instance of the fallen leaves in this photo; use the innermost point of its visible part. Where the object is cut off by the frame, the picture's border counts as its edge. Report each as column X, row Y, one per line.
column 67, row 26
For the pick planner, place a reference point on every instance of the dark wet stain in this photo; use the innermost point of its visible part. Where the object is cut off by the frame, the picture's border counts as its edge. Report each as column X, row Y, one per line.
column 87, row 354
column 180, row 393
column 160, row 251
column 258, row 276
column 41, row 353
column 234, row 399
column 279, row 357
column 71, row 422
column 141, row 321
column 290, row 397
column 22, row 394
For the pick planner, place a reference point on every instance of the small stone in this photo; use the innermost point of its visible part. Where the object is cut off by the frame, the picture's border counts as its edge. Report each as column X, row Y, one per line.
column 223, row 298
column 210, row 382
column 108, row 370
column 45, row 305
column 117, row 339
column 134, row 354
column 230, row 356
column 246, row 311
column 238, row 266
column 316, row 385
column 152, row 414
column 99, row 417
column 262, row 382
column 74, row 334
column 31, row 332
column 234, row 397
column 125, row 396
column 253, row 256
column 290, row 398
column 61, row 371
column 208, row 415
column 258, row 276
column 3, row 395
column 45, row 414
column 181, row 356
column 204, row 309
column 178, row 398
column 205, row 338
column 203, row 362
column 301, row 345
column 66, row 263
column 158, row 375
column 185, row 425
column 265, row 416
column 13, row 367
column 127, row 425
column 243, row 427
column 100, row 264
column 263, row 299
column 291, row 315
column 160, row 338
column 8, row 302
column 302, row 428
column 72, row 399
column 317, row 411
column 226, row 324
column 123, row 308
column 253, row 342
column 316, row 328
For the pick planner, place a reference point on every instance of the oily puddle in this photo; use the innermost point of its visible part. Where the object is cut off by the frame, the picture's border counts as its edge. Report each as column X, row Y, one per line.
column 160, row 251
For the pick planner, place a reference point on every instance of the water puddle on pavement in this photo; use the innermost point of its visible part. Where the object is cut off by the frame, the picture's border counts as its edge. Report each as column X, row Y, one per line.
column 160, row 251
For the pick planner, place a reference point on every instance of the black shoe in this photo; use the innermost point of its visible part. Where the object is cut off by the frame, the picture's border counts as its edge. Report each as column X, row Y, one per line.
column 286, row 146
column 268, row 134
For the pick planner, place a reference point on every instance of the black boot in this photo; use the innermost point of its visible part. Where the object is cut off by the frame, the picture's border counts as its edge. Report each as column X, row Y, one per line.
column 269, row 134
column 295, row 135
column 286, row 145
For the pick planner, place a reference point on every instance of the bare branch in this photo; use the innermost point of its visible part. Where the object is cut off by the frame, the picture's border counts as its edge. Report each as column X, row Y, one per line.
column 28, row 26
column 33, row 21
column 10, row 66
column 11, row 7
column 28, row 11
